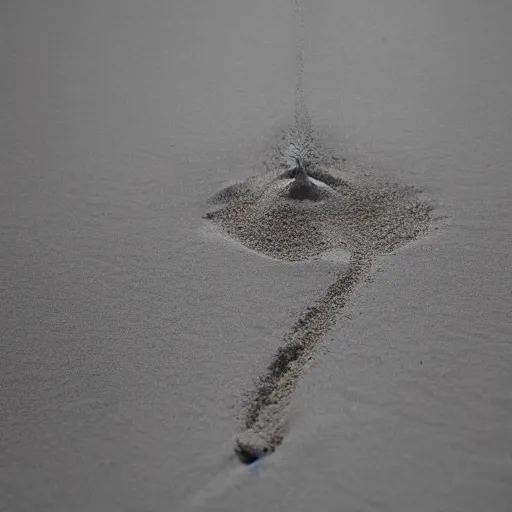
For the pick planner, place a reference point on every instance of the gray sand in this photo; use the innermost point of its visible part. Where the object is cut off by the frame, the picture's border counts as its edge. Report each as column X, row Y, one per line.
column 132, row 333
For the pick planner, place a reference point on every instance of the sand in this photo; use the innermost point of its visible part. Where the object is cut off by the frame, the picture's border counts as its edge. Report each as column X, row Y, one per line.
column 136, row 333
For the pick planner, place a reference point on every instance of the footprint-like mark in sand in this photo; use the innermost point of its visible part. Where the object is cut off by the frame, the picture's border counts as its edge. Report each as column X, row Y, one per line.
column 302, row 206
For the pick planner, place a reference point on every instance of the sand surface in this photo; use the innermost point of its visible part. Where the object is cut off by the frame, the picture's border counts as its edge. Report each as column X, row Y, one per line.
column 133, row 329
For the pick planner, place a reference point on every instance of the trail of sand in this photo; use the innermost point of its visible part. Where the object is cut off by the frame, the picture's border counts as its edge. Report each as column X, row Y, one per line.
column 361, row 215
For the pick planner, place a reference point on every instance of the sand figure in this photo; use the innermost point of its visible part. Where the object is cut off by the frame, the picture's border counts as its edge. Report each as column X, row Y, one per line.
column 298, row 214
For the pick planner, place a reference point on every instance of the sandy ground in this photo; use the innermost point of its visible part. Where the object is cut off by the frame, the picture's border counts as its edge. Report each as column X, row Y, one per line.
column 130, row 330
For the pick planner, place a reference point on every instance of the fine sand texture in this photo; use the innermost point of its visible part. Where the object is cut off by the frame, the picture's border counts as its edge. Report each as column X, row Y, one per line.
column 177, row 303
